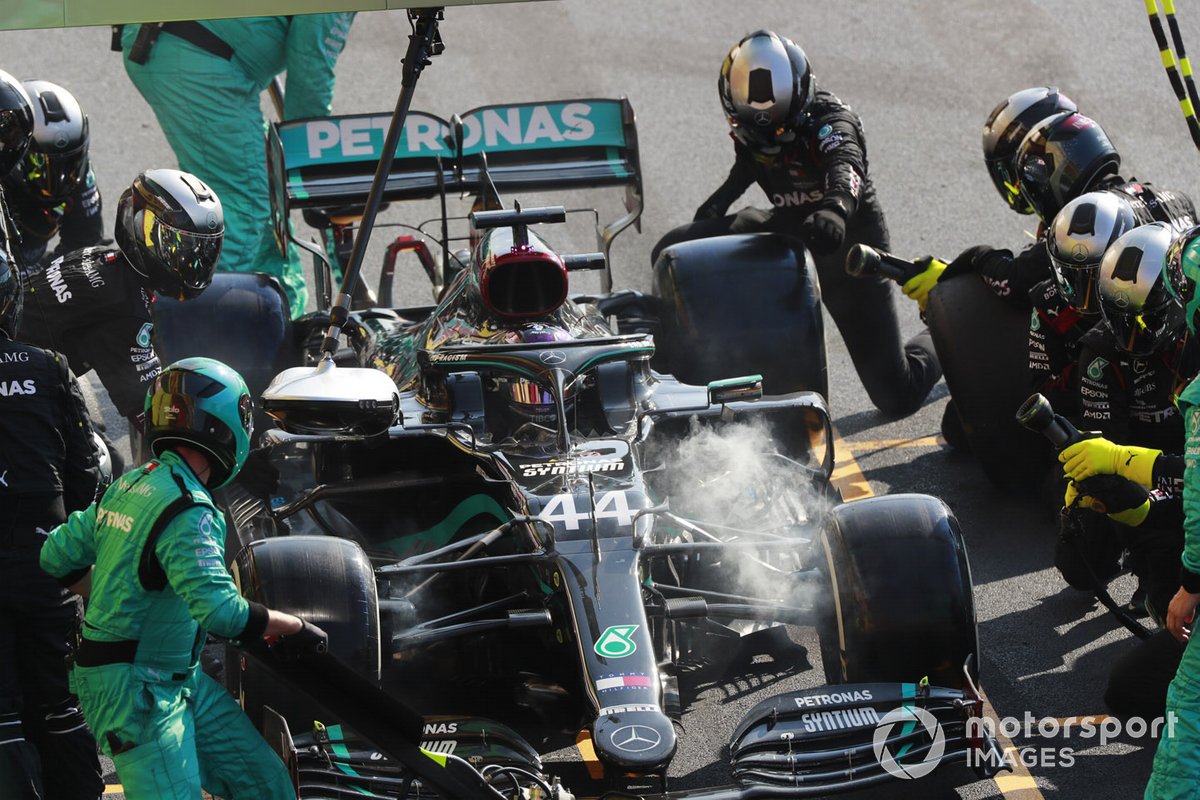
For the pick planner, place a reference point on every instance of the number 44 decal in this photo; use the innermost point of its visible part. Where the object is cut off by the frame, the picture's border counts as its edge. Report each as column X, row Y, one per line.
column 609, row 505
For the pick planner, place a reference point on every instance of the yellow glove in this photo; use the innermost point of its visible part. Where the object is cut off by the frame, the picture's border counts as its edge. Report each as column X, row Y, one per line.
column 1102, row 457
column 918, row 286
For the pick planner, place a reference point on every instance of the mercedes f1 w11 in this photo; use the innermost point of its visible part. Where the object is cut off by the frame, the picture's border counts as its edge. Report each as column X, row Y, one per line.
column 523, row 524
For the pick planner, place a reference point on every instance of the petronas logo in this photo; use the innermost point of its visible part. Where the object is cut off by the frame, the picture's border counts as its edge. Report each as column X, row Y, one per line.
column 1095, row 370
column 616, row 641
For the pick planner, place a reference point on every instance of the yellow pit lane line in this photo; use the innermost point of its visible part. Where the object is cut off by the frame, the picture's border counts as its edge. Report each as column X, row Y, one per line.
column 849, row 478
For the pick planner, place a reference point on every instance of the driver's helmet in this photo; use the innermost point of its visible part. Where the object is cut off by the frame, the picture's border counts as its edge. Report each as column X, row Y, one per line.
column 767, row 88
column 1078, row 237
column 1005, row 129
column 204, row 404
column 1142, row 309
column 527, row 400
column 56, row 163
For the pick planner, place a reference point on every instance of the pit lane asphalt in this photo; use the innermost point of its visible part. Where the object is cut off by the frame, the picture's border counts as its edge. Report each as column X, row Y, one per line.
column 923, row 76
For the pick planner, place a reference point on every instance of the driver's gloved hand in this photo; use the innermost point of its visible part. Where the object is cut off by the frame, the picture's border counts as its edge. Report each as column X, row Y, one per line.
column 824, row 230
column 305, row 643
column 708, row 212
column 1099, row 456
column 918, row 286
column 1121, row 499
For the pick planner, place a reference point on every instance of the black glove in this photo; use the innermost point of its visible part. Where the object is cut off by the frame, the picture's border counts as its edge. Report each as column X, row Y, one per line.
column 707, row 212
column 305, row 643
column 824, row 229
column 1120, row 498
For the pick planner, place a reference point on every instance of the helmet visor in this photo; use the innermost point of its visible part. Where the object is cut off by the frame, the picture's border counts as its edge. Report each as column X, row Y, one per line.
column 762, row 139
column 1143, row 334
column 1078, row 286
column 189, row 256
column 53, row 176
column 1007, row 185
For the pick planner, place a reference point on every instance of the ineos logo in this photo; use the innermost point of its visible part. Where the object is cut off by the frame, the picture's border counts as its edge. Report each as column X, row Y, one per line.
column 552, row 357
column 635, row 738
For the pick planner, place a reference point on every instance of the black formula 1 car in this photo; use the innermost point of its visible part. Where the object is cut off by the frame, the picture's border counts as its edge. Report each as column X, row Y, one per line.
column 524, row 525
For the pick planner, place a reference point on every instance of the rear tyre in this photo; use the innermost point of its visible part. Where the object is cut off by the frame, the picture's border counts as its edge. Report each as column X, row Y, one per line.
column 742, row 305
column 899, row 601
column 324, row 580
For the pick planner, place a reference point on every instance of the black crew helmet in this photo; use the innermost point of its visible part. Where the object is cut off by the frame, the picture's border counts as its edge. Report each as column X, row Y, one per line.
column 1077, row 239
column 16, row 122
column 1007, row 126
column 170, row 226
column 767, row 88
column 56, row 163
column 1061, row 158
column 1141, row 307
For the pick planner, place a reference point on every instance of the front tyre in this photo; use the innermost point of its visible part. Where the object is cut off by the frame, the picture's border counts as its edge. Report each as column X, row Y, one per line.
column 899, row 604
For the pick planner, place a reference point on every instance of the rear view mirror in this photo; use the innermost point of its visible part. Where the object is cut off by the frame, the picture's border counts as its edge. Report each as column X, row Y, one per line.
column 747, row 387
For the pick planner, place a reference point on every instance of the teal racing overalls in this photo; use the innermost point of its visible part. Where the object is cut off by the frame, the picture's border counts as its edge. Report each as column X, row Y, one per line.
column 209, row 109
column 1176, row 773
column 157, row 543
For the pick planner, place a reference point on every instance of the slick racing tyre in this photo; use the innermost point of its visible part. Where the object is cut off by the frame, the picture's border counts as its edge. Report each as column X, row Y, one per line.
column 983, row 345
column 898, row 603
column 323, row 580
column 742, row 305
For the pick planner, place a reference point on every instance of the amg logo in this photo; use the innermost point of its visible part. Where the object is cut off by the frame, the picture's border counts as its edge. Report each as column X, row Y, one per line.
column 570, row 467
column 438, row 728
column 861, row 696
column 441, row 747
column 11, row 358
column 839, row 720
column 114, row 519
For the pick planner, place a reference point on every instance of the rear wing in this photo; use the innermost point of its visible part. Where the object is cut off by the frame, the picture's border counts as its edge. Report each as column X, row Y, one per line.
column 329, row 162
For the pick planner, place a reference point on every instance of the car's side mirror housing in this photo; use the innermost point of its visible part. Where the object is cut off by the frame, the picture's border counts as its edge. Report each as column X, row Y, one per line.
column 747, row 387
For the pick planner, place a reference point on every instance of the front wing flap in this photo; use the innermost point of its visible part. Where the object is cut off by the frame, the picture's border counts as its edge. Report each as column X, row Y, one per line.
column 850, row 735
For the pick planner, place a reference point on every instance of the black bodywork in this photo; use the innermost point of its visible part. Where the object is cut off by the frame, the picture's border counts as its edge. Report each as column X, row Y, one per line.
column 551, row 581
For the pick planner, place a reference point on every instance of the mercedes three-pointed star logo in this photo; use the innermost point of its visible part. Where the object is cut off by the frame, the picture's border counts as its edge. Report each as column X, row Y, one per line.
column 552, row 357
column 635, row 738
column 762, row 118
